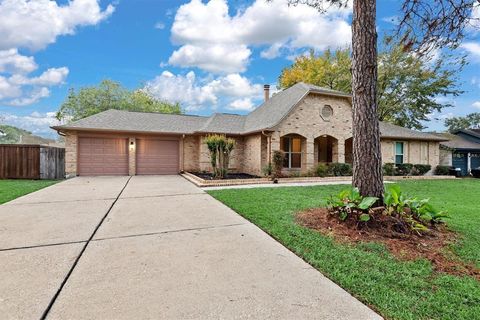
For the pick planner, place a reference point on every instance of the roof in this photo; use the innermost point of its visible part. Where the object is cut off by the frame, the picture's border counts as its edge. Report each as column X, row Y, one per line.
column 388, row 130
column 458, row 142
column 471, row 132
column 266, row 116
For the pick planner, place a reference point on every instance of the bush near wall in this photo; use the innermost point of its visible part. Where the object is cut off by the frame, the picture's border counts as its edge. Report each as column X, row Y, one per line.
column 333, row 170
column 442, row 170
column 405, row 169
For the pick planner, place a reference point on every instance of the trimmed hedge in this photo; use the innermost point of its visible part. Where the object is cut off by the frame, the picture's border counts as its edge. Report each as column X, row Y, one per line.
column 340, row 169
column 389, row 169
column 405, row 169
column 442, row 170
column 420, row 169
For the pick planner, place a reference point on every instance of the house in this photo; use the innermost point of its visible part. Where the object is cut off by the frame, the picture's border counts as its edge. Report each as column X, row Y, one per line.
column 462, row 150
column 309, row 123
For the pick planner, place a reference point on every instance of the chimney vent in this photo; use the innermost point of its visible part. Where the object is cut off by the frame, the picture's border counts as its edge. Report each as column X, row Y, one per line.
column 266, row 91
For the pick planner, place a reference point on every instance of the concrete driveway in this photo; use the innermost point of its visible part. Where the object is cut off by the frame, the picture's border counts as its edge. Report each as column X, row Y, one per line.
column 151, row 247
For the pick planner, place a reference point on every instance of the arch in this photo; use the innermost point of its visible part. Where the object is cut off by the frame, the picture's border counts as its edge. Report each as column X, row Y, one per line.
column 294, row 146
column 326, row 149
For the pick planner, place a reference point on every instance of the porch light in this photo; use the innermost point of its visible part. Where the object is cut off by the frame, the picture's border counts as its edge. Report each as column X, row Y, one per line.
column 132, row 145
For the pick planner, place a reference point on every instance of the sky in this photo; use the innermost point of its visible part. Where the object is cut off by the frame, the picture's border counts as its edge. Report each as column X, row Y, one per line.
column 210, row 56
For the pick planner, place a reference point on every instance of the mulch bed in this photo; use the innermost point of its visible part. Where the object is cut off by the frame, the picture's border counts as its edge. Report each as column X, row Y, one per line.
column 381, row 228
column 232, row 176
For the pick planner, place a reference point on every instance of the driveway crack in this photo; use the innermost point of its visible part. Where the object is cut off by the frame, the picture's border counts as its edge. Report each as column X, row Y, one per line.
column 54, row 298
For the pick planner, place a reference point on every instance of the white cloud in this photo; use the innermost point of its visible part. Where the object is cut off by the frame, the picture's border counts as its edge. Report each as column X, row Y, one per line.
column 17, row 87
column 195, row 93
column 245, row 104
column 395, row 20
column 36, row 122
column 476, row 104
column 37, row 23
column 213, row 40
column 473, row 48
column 12, row 61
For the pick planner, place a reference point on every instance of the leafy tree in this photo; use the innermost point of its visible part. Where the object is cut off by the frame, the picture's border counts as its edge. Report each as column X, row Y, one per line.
column 425, row 25
column 470, row 121
column 407, row 84
column 110, row 95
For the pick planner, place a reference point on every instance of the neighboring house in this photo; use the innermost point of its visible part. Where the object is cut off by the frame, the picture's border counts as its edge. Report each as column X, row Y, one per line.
column 462, row 150
column 310, row 124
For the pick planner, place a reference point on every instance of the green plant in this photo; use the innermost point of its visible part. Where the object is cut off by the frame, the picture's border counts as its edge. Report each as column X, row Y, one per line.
column 220, row 148
column 403, row 169
column 321, row 170
column 442, row 170
column 420, row 169
column 389, row 169
column 267, row 169
column 295, row 174
column 340, row 169
column 349, row 201
column 277, row 161
column 413, row 211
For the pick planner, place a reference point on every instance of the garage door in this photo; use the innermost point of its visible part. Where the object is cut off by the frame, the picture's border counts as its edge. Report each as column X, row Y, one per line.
column 475, row 160
column 102, row 156
column 460, row 161
column 157, row 156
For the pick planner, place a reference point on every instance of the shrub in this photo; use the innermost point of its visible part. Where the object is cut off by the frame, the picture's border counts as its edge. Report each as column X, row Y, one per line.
column 349, row 202
column 420, row 169
column 277, row 162
column 295, row 174
column 442, row 170
column 220, row 148
column 415, row 213
column 321, row 170
column 340, row 169
column 403, row 169
column 389, row 169
column 267, row 170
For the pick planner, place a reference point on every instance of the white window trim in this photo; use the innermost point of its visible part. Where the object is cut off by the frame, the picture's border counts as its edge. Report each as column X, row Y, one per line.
column 395, row 152
column 289, row 153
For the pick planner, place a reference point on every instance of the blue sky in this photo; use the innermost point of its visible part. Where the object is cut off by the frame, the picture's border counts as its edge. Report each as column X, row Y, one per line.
column 211, row 56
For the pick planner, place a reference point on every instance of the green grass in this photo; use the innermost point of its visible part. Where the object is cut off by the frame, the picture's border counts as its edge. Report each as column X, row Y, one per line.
column 12, row 189
column 396, row 289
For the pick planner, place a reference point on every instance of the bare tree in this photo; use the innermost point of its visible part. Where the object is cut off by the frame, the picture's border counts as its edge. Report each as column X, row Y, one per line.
column 424, row 25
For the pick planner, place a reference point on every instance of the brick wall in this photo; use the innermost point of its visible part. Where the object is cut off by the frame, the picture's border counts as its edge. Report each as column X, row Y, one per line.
column 71, row 147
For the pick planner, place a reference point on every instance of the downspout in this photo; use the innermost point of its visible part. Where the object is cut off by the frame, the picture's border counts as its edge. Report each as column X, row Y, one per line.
column 469, row 163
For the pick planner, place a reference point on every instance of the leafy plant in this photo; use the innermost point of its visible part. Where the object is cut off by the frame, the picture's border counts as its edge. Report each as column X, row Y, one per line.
column 442, row 170
column 220, row 148
column 340, row 169
column 403, row 169
column 420, row 169
column 349, row 201
column 321, row 170
column 267, row 170
column 389, row 169
column 277, row 161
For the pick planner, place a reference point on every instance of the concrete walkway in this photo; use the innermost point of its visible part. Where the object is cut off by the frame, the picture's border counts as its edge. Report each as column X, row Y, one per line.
column 151, row 247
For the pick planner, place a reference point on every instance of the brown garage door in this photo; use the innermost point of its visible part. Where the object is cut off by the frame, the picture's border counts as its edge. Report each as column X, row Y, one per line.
column 102, row 156
column 157, row 156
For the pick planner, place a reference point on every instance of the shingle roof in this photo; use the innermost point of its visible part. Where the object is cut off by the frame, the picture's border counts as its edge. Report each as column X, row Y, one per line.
column 388, row 130
column 266, row 116
column 458, row 142
column 116, row 120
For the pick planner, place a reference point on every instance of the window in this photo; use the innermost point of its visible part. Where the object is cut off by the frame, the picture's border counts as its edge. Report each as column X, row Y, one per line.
column 398, row 152
column 292, row 147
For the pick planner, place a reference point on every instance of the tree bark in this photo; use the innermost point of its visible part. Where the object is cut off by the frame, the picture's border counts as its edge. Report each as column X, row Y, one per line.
column 367, row 158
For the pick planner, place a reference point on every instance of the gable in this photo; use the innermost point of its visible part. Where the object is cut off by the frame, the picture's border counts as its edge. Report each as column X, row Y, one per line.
column 317, row 115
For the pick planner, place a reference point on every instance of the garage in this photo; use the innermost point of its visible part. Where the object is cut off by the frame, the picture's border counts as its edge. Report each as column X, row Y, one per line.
column 157, row 156
column 102, row 156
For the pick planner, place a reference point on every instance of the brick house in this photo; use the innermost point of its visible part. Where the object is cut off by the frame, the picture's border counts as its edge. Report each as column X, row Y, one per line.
column 309, row 123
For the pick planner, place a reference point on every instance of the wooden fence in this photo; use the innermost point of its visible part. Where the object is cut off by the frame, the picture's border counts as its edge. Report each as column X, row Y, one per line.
column 31, row 162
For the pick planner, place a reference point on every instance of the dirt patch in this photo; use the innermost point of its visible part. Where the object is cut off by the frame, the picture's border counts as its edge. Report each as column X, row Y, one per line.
column 381, row 228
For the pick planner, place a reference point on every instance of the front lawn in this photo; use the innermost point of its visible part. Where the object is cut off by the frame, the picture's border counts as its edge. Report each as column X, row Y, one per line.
column 12, row 189
column 396, row 289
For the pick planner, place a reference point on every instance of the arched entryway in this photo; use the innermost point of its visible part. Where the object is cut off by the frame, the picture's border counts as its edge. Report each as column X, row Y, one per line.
column 326, row 149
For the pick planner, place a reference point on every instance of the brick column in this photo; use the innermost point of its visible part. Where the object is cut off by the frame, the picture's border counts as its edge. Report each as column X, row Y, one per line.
column 341, row 151
column 274, row 143
column 310, row 153
column 71, row 147
column 132, row 170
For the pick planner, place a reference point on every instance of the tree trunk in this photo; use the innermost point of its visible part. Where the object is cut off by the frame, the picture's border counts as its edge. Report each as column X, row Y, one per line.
column 367, row 158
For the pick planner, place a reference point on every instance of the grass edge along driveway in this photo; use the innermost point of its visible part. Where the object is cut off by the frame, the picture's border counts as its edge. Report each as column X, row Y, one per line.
column 14, row 188
column 396, row 289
